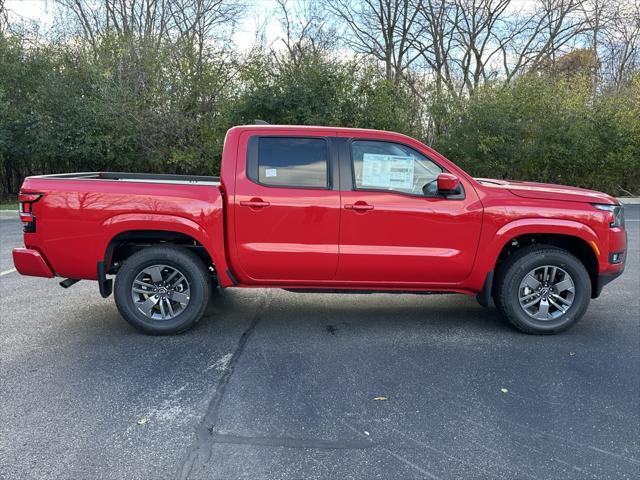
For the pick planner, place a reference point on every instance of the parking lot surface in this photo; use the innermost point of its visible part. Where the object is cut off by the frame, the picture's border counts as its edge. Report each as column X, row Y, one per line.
column 272, row 384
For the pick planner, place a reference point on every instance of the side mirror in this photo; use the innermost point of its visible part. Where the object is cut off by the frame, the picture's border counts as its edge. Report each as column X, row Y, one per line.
column 448, row 183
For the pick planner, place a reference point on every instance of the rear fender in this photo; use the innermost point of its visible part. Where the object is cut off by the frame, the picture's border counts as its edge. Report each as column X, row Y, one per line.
column 129, row 222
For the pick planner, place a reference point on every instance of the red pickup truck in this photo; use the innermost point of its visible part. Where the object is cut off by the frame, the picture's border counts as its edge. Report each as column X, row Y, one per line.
column 323, row 209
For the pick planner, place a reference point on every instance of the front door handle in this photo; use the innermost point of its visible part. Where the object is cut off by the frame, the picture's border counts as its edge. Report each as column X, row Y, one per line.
column 358, row 206
column 254, row 203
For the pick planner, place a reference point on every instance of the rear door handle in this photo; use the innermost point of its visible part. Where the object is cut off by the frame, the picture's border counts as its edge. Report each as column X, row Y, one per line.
column 358, row 206
column 254, row 203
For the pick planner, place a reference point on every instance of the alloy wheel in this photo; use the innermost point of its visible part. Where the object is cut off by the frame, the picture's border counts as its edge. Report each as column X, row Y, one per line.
column 546, row 292
column 160, row 292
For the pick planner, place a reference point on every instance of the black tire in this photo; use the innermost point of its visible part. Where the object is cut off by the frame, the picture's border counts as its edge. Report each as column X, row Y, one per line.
column 188, row 264
column 513, row 271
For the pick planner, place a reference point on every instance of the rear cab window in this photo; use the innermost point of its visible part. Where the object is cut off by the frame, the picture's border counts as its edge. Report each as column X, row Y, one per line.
column 289, row 162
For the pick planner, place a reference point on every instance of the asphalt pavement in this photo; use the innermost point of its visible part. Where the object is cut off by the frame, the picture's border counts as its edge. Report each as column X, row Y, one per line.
column 272, row 384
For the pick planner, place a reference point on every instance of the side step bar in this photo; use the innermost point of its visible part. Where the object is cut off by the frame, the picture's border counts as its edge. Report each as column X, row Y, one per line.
column 363, row 292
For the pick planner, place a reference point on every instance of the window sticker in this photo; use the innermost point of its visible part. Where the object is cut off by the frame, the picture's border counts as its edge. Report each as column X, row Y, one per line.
column 387, row 171
column 271, row 172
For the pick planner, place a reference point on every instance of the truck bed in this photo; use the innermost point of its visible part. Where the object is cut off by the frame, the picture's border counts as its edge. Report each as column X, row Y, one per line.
column 136, row 177
column 79, row 214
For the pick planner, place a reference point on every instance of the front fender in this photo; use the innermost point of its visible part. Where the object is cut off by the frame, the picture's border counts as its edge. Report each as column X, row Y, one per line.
column 542, row 225
column 490, row 250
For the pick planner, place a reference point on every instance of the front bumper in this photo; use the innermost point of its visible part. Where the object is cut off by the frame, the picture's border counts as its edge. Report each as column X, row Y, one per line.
column 30, row 262
column 603, row 279
column 613, row 263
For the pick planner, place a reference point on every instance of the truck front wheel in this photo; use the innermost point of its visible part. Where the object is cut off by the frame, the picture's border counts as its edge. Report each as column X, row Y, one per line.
column 162, row 290
column 542, row 289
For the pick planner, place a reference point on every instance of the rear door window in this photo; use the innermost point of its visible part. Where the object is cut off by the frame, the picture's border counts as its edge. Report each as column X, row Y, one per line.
column 293, row 162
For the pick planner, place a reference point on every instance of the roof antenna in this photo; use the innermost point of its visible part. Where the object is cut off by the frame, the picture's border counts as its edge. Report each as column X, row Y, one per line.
column 260, row 122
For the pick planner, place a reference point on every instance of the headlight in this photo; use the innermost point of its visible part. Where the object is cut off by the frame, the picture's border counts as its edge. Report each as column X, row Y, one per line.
column 617, row 212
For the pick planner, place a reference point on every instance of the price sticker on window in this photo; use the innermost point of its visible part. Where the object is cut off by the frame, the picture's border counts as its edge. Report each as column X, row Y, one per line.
column 387, row 171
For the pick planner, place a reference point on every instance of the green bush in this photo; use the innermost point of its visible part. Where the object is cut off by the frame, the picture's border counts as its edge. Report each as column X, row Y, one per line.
column 548, row 130
column 153, row 108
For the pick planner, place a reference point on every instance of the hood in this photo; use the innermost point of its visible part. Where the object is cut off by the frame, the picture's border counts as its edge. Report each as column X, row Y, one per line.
column 549, row 191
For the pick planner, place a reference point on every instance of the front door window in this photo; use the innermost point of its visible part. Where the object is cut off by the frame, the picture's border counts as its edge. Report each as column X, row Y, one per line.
column 392, row 167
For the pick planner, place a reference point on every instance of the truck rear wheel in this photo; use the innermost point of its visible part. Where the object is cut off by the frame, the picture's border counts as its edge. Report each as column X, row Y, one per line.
column 542, row 289
column 162, row 290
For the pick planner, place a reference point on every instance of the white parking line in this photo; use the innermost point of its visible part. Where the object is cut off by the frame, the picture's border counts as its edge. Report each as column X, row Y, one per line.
column 7, row 272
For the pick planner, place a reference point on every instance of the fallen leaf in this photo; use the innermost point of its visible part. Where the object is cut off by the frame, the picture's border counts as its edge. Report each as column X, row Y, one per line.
column 380, row 398
column 504, row 390
column 143, row 420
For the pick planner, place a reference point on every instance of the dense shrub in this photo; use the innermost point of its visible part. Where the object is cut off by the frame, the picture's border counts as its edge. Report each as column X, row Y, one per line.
column 550, row 131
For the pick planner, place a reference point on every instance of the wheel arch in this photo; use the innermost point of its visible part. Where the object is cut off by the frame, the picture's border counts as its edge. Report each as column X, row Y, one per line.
column 571, row 235
column 581, row 248
column 155, row 229
column 126, row 243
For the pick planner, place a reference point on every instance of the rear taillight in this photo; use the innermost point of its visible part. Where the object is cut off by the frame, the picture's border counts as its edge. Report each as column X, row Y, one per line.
column 26, row 201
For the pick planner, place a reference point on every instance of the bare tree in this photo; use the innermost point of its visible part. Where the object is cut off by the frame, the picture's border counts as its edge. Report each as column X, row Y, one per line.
column 153, row 21
column 596, row 14
column 478, row 25
column 306, row 29
column 435, row 40
column 4, row 21
column 618, row 44
column 466, row 43
column 552, row 28
column 382, row 29
column 197, row 29
column 203, row 21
